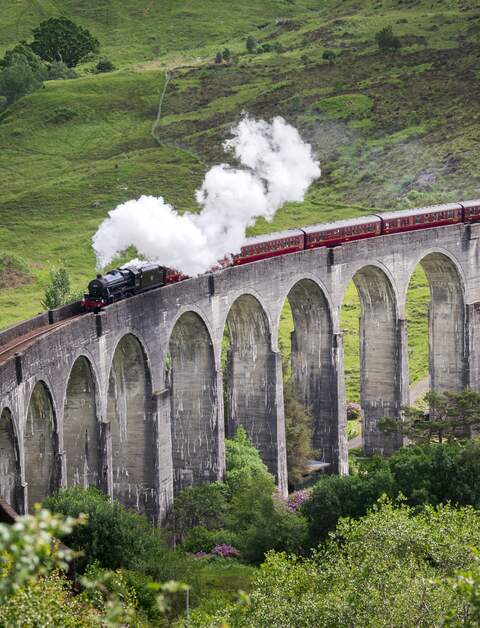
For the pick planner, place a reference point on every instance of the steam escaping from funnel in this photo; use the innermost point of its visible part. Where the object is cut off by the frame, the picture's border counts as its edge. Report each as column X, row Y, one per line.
column 277, row 167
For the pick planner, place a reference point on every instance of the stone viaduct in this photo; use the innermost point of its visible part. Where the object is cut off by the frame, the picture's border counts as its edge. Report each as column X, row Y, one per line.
column 133, row 400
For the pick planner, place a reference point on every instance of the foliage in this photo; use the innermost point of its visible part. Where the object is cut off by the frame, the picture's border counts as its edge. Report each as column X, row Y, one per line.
column 27, row 550
column 423, row 474
column 58, row 292
column 200, row 539
column 467, row 583
column 24, row 50
column 60, row 39
column 58, row 70
column 218, row 57
column 201, row 506
column 116, row 537
column 386, row 40
column 348, row 496
column 226, row 54
column 392, row 567
column 450, row 416
column 19, row 78
column 243, row 464
column 104, row 65
column 329, row 55
column 298, row 433
column 47, row 601
column 251, row 44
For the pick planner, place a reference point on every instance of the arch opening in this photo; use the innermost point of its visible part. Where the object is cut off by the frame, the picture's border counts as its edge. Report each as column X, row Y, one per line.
column 131, row 442
column 307, row 342
column 41, row 444
column 250, row 379
column 9, row 461
column 378, row 381
column 80, row 427
column 436, row 319
column 192, row 380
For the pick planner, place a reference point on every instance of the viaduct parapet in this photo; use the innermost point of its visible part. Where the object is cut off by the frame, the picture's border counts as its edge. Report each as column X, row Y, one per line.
column 132, row 400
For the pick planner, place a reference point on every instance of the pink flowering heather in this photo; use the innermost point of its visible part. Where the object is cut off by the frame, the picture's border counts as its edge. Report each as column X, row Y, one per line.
column 354, row 411
column 295, row 500
column 226, row 551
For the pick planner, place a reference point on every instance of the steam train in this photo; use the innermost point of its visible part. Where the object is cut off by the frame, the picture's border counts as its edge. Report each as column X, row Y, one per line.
column 130, row 280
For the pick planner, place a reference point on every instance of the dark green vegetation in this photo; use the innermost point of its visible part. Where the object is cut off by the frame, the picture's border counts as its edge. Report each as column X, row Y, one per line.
column 390, row 130
column 426, row 474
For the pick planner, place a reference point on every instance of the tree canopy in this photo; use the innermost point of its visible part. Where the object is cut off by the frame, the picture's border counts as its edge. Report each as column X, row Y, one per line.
column 60, row 39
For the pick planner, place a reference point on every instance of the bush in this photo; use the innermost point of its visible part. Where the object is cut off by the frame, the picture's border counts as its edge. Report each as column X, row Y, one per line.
column 336, row 496
column 57, row 70
column 386, row 40
column 392, row 567
column 204, row 506
column 243, row 463
column 116, row 537
column 298, row 433
column 218, row 57
column 250, row 44
column 104, row 65
column 19, row 78
column 227, row 55
column 329, row 55
column 58, row 292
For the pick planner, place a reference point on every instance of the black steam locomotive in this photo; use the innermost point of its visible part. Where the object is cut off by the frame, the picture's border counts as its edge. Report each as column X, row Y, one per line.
column 124, row 282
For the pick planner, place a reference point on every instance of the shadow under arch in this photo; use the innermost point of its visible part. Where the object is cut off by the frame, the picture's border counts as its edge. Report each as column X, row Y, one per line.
column 192, row 380
column 446, row 322
column 130, row 440
column 251, row 373
column 314, row 372
column 41, row 445
column 81, row 430
column 9, row 461
column 381, row 375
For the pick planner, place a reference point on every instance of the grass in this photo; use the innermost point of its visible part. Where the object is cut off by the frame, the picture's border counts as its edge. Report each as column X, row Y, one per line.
column 75, row 149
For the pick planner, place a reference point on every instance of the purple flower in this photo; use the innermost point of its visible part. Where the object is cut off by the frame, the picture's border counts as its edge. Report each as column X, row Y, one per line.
column 225, row 550
column 295, row 500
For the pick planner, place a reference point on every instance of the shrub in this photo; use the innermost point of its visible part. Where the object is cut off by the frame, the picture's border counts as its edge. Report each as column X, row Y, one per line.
column 57, row 70
column 298, row 433
column 243, row 463
column 104, row 65
column 218, row 57
column 204, row 506
column 227, row 55
column 18, row 78
column 250, row 44
column 329, row 55
column 58, row 292
column 386, row 40
column 354, row 411
column 116, row 537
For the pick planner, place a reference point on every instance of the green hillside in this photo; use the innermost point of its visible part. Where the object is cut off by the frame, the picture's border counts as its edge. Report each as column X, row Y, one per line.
column 391, row 130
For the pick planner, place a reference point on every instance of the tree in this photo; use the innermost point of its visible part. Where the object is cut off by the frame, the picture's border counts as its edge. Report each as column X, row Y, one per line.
column 227, row 55
column 23, row 49
column 298, row 431
column 60, row 39
column 58, row 291
column 18, row 78
column 450, row 416
column 329, row 55
column 251, row 44
column 386, row 40
column 218, row 57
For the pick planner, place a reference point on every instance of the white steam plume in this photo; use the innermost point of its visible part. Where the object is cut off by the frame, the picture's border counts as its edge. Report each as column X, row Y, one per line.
column 277, row 166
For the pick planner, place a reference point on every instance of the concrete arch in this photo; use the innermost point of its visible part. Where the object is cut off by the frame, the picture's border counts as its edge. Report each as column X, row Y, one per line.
column 194, row 403
column 381, row 377
column 252, row 380
column 9, row 460
column 130, row 438
column 314, row 376
column 447, row 360
column 81, row 438
column 192, row 309
column 40, row 440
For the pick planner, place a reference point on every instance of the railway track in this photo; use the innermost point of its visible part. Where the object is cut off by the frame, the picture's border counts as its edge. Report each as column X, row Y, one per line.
column 11, row 348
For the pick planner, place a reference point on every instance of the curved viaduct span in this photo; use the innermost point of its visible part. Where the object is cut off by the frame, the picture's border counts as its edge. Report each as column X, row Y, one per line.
column 132, row 399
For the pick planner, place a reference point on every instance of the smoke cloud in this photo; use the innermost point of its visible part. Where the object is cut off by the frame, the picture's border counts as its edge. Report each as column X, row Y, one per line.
column 277, row 166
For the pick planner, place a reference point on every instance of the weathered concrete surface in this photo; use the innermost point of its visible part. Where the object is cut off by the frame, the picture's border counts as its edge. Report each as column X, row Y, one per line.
column 155, row 387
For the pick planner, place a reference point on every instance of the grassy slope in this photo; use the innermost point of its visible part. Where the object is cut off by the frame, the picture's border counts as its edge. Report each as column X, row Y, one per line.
column 73, row 150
